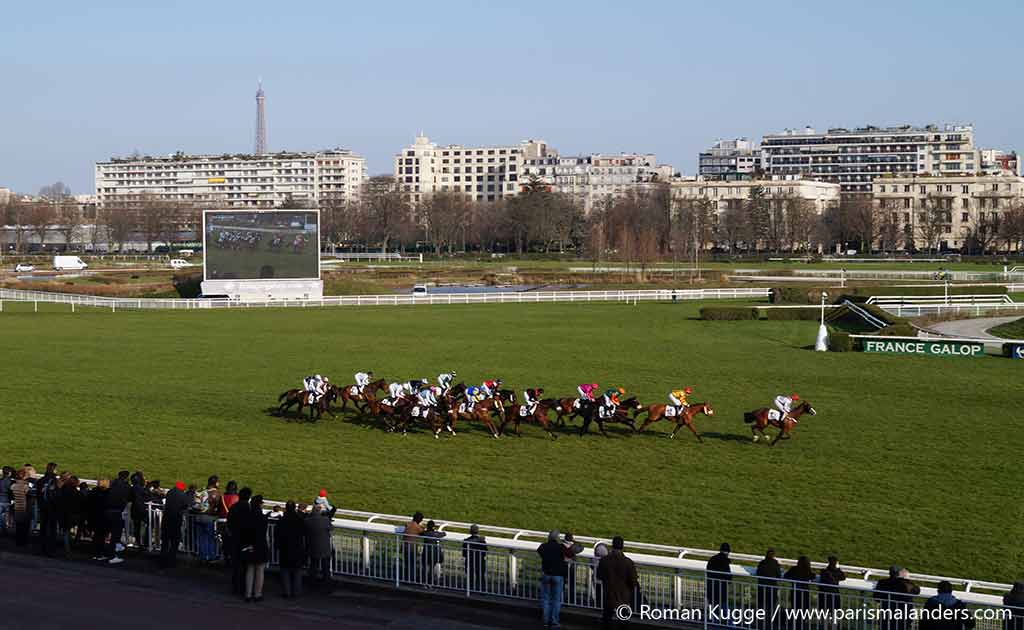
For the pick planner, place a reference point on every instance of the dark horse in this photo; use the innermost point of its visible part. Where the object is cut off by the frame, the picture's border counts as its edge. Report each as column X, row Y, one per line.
column 591, row 412
column 759, row 421
column 455, row 410
column 683, row 417
column 369, row 392
column 303, row 398
column 539, row 415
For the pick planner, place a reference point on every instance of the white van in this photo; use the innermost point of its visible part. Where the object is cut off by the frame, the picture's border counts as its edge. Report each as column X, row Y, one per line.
column 65, row 263
column 185, row 253
column 179, row 263
column 419, row 289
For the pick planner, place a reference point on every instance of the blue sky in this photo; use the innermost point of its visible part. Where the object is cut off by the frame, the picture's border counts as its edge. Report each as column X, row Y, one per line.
column 83, row 81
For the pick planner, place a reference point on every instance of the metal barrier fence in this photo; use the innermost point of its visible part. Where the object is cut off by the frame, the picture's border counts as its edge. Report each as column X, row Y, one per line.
column 977, row 310
column 520, row 297
column 670, row 590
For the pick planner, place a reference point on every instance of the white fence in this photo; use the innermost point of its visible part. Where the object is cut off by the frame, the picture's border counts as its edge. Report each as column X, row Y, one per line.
column 890, row 300
column 521, row 297
column 977, row 310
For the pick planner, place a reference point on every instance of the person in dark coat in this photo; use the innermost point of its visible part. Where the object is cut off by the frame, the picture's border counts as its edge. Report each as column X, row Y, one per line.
column 95, row 502
column 139, row 511
column 896, row 593
column 945, row 612
column 46, row 507
column 254, row 552
column 237, row 514
column 829, row 580
column 68, row 506
column 290, row 539
column 176, row 506
column 571, row 549
column 118, row 498
column 719, row 578
column 552, row 579
column 768, row 574
column 432, row 554
column 474, row 554
column 799, row 590
column 619, row 578
column 318, row 534
column 1014, row 603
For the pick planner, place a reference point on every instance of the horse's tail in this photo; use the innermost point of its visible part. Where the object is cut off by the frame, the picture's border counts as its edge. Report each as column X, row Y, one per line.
column 283, row 396
column 749, row 417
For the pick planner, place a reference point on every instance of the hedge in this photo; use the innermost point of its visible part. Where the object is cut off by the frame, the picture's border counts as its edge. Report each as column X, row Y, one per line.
column 796, row 295
column 793, row 314
column 729, row 313
column 954, row 289
column 839, row 341
column 188, row 285
column 898, row 330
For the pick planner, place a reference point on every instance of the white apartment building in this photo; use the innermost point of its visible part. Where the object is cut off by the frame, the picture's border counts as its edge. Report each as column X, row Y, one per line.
column 854, row 158
column 964, row 204
column 5, row 195
column 729, row 159
column 481, row 173
column 593, row 178
column 257, row 181
column 724, row 195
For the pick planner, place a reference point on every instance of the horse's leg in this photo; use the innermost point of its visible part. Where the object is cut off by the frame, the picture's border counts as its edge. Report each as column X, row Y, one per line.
column 693, row 430
column 679, row 425
column 600, row 427
column 585, row 426
column 547, row 426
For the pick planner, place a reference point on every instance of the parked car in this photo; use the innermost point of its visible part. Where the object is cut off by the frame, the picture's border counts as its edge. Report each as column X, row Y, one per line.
column 419, row 289
column 24, row 267
column 179, row 263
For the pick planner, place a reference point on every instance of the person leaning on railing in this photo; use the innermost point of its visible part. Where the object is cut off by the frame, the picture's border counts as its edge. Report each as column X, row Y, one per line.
column 1014, row 602
column 552, row 580
column 20, row 496
column 719, row 577
column 474, row 554
column 829, row 579
column 6, row 481
column 896, row 593
column 619, row 577
column 943, row 611
column 318, row 535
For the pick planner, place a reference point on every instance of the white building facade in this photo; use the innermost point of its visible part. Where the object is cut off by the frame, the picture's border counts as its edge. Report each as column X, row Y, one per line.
column 725, row 195
column 730, row 160
column 593, row 178
column 263, row 181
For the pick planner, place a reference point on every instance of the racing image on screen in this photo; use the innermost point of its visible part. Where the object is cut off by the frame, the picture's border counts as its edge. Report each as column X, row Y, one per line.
column 261, row 245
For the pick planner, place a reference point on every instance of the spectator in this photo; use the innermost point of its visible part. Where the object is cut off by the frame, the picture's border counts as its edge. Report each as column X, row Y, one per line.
column 571, row 549
column 6, row 481
column 600, row 551
column 1014, row 602
column 896, row 594
column 318, row 535
column 139, row 511
column 322, row 501
column 828, row 584
column 944, row 611
column 68, row 508
column 22, row 507
column 719, row 577
column 620, row 580
column 118, row 498
column 768, row 574
column 433, row 554
column 474, row 554
column 237, row 516
column 95, row 506
column 230, row 495
column 799, row 591
column 254, row 551
column 290, row 539
column 553, row 572
column 176, row 505
column 209, row 505
column 45, row 497
column 413, row 530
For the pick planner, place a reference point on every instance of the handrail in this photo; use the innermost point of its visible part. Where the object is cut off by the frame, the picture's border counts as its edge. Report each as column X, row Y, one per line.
column 865, row 314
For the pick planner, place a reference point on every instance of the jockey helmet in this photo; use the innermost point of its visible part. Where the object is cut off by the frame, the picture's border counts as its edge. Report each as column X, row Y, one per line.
column 688, row 390
column 318, row 377
column 369, row 372
column 423, row 380
column 594, row 385
column 795, row 397
column 621, row 391
column 453, row 373
column 327, row 380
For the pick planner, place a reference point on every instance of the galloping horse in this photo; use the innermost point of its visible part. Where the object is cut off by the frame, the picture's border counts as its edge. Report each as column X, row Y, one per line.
column 481, row 412
column 591, row 412
column 388, row 411
column 683, row 417
column 369, row 393
column 759, row 421
column 567, row 407
column 428, row 415
column 302, row 398
column 539, row 415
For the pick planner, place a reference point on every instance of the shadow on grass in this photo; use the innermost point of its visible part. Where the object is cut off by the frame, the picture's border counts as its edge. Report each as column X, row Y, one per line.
column 726, row 437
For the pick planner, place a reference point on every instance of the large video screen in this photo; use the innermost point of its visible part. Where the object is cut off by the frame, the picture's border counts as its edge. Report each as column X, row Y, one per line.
column 261, row 245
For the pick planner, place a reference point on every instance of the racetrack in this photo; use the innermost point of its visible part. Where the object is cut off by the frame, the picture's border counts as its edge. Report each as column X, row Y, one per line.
column 911, row 460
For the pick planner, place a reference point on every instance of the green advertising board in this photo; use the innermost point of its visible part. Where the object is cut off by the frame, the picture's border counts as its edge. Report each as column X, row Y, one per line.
column 928, row 347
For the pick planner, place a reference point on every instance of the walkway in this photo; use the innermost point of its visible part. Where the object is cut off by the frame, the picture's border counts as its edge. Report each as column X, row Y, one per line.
column 976, row 328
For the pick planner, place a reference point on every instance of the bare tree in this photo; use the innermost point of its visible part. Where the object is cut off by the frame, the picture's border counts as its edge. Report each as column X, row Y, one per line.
column 733, row 227
column 861, row 216
column 120, row 223
column 1011, row 228
column 40, row 219
column 444, row 214
column 17, row 216
column 801, row 222
column 385, row 210
column 69, row 220
column 933, row 220
column 757, row 217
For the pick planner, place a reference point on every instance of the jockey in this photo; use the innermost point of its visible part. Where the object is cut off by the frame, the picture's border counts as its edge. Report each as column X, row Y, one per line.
column 785, row 404
column 315, row 385
column 445, row 380
column 586, row 391
column 473, row 396
column 532, row 397
column 413, row 386
column 428, row 396
column 362, row 380
column 491, row 387
column 611, row 399
column 396, row 391
column 678, row 397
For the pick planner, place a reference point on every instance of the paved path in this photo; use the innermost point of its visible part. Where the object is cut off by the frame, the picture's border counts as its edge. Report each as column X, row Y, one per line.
column 56, row 594
column 976, row 328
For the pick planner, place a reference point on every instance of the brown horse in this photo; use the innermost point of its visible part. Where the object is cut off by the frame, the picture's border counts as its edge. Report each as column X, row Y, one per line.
column 302, row 398
column 539, row 415
column 454, row 411
column 591, row 412
column 759, row 421
column 388, row 411
column 369, row 392
column 427, row 415
column 683, row 417
column 566, row 407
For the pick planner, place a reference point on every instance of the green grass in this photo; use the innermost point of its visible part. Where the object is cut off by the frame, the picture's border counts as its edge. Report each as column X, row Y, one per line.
column 1012, row 330
column 911, row 460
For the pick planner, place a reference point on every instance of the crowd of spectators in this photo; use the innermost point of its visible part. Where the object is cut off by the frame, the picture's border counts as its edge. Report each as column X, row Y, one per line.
column 66, row 513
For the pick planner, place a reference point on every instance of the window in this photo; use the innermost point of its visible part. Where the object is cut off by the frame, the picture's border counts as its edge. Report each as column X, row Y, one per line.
column 964, row 189
column 906, row 202
column 965, row 202
column 964, row 217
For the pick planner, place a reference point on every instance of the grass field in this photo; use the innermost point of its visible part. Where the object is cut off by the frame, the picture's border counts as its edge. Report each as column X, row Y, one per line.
column 910, row 460
column 1013, row 330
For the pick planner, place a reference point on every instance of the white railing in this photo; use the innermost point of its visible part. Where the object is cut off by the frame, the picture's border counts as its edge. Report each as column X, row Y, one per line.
column 881, row 274
column 510, row 297
column 888, row 300
column 864, row 314
column 917, row 310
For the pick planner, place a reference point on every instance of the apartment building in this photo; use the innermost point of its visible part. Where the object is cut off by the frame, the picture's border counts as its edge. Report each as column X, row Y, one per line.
column 257, row 181
column 946, row 210
column 5, row 195
column 729, row 160
column 485, row 174
column 853, row 158
column 593, row 178
column 724, row 195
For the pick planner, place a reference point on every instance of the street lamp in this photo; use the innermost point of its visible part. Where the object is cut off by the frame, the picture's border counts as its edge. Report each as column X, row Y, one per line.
column 821, row 344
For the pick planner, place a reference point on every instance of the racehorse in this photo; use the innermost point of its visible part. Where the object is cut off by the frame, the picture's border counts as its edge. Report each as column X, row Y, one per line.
column 683, row 417
column 428, row 415
column 481, row 412
column 591, row 412
column 759, row 420
column 387, row 410
column 302, row 398
column 568, row 407
column 539, row 415
column 369, row 392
